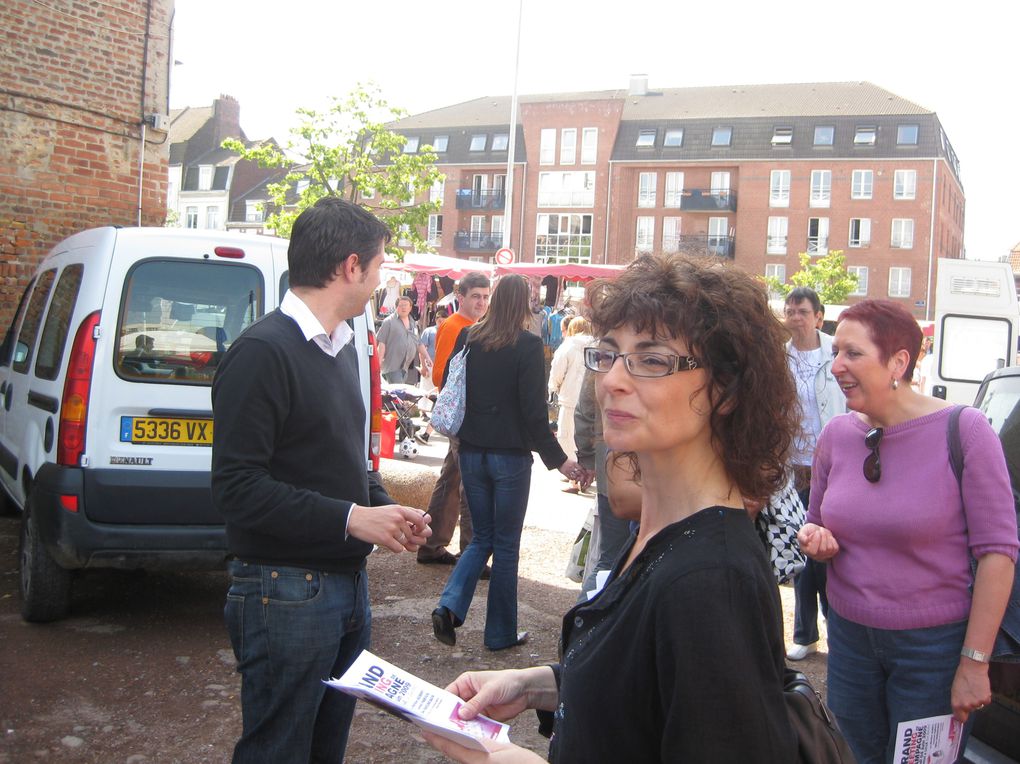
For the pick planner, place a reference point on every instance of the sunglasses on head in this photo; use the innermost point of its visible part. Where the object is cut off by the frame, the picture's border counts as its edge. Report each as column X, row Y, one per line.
column 872, row 462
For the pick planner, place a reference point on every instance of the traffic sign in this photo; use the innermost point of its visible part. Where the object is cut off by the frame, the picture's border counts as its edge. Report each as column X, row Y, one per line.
column 504, row 256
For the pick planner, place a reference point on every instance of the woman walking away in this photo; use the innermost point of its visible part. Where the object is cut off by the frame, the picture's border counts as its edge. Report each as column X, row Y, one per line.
column 506, row 419
column 565, row 376
column 907, row 637
column 680, row 657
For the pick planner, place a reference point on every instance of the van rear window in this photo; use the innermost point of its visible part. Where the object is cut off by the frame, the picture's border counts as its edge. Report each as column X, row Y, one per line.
column 180, row 316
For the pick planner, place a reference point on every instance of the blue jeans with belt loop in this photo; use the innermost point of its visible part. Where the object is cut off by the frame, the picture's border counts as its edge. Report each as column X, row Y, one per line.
column 290, row 629
column 881, row 677
column 497, row 485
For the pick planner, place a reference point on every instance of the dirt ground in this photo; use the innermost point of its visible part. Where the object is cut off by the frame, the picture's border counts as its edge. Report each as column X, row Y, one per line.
column 142, row 670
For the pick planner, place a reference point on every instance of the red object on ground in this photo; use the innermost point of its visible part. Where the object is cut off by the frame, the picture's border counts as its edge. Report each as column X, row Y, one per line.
column 389, row 435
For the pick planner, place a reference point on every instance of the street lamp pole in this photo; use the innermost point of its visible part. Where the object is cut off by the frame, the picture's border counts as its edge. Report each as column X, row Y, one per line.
column 508, row 204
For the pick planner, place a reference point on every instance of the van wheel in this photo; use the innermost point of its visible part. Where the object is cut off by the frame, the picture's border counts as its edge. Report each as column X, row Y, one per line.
column 45, row 586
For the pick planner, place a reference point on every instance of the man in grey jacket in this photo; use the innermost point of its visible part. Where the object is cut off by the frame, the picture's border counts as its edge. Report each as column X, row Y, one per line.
column 809, row 354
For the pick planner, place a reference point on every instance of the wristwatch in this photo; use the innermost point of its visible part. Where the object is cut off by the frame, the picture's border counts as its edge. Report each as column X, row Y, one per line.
column 975, row 655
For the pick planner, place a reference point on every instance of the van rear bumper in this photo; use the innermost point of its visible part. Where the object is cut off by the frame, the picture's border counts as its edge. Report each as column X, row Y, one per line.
column 133, row 541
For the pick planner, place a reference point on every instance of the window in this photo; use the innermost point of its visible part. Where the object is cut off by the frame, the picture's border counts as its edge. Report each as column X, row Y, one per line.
column 478, row 142
column 566, row 189
column 437, row 191
column 861, row 183
column 645, row 234
column 563, row 238
column 905, row 184
column 589, row 145
column 568, row 145
column 899, row 282
column 58, row 321
column 721, row 136
column 865, row 136
column 30, row 324
column 821, row 188
column 825, row 135
column 818, row 236
column 500, row 141
column 212, row 218
column 860, row 233
column 478, row 235
column 435, row 230
column 779, row 188
column 253, row 212
column 861, row 272
column 411, row 144
column 775, row 271
column 547, row 149
column 368, row 193
column 674, row 137
column 302, row 186
column 440, row 142
column 408, row 200
column 775, row 244
column 902, row 233
column 671, row 234
column 674, row 189
column 718, row 237
column 180, row 317
column 906, row 135
column 205, row 177
column 496, row 227
column 645, row 138
column 782, row 136
column 646, row 189
column 720, row 184
column 191, row 217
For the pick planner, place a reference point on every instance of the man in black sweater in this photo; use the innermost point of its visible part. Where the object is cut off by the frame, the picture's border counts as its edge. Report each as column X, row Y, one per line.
column 302, row 510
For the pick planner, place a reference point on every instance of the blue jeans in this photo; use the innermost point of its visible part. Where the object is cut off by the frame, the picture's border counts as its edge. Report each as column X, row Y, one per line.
column 397, row 377
column 881, row 677
column 808, row 594
column 614, row 533
column 497, row 487
column 290, row 629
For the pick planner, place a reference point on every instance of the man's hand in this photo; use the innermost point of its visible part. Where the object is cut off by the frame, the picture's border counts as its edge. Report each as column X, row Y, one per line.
column 817, row 542
column 394, row 526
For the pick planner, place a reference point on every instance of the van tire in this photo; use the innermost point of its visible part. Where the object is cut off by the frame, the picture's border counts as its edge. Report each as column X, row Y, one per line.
column 45, row 586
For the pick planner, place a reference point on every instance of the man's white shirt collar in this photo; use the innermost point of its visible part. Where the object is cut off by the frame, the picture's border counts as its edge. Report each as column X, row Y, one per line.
column 330, row 343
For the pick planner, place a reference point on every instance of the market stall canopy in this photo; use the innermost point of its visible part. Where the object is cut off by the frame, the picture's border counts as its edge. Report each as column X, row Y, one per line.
column 570, row 272
column 438, row 265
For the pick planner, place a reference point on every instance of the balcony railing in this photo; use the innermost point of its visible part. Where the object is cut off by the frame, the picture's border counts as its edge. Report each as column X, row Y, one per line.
column 566, row 198
column 470, row 199
column 703, row 245
column 818, row 245
column 776, row 245
column 464, row 241
column 706, row 200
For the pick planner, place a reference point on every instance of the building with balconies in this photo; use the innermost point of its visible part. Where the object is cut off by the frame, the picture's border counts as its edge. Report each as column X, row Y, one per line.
column 756, row 174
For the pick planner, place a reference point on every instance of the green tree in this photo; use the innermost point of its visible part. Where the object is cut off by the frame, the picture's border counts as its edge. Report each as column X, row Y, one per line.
column 827, row 275
column 350, row 152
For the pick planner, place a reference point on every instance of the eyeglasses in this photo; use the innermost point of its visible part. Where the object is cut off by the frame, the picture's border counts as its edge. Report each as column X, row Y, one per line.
column 639, row 364
column 872, row 463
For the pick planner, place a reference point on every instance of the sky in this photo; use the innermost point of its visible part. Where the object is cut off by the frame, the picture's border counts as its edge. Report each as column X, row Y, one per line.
column 956, row 59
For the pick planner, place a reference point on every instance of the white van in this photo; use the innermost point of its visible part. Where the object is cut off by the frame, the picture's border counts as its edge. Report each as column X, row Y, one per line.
column 105, row 375
column 977, row 318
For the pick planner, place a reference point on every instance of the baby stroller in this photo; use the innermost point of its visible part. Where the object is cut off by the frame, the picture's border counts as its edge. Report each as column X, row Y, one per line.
column 402, row 401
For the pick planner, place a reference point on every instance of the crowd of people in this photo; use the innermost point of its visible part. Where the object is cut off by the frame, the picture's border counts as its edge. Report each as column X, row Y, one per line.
column 690, row 404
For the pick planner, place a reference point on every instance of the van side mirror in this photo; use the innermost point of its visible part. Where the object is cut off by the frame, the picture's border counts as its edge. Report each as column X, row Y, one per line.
column 938, row 391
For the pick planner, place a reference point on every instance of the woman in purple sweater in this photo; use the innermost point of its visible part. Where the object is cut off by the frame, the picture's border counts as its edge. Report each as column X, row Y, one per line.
column 907, row 638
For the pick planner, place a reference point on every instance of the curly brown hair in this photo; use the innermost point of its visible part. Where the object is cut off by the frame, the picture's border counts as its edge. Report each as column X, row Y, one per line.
column 724, row 317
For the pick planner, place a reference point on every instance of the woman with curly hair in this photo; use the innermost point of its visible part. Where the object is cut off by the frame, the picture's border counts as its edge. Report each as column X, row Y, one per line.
column 683, row 648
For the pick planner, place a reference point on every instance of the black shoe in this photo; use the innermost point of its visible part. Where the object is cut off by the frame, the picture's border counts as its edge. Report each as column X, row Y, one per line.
column 486, row 573
column 444, row 559
column 522, row 639
column 424, row 437
column 442, row 626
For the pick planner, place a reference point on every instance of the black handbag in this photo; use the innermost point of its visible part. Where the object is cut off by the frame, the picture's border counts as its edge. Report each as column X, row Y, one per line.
column 819, row 740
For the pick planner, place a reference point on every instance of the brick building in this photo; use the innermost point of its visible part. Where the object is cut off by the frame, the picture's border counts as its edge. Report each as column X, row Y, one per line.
column 77, row 83
column 754, row 173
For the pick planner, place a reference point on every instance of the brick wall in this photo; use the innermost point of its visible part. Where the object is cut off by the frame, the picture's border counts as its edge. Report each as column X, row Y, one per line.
column 76, row 79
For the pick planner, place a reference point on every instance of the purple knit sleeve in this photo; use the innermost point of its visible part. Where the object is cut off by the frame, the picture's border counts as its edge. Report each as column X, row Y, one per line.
column 987, row 495
column 820, row 466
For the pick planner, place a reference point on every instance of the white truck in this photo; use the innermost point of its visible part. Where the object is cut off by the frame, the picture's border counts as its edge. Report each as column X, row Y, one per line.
column 977, row 319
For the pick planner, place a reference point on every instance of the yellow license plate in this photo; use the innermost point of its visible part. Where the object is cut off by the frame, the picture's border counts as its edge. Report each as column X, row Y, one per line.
column 166, row 431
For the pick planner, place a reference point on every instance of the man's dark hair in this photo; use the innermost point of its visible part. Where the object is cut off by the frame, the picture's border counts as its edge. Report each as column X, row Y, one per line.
column 473, row 280
column 799, row 294
column 325, row 234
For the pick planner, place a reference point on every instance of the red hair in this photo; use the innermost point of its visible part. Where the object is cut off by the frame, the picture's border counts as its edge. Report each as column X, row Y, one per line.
column 890, row 326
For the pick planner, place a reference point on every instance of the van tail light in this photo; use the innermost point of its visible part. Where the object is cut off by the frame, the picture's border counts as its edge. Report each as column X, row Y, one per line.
column 75, row 403
column 375, row 401
column 234, row 253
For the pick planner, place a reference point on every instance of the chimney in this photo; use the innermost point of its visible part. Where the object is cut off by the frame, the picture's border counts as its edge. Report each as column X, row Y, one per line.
column 227, row 118
column 638, row 85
